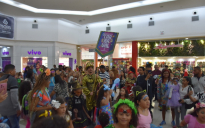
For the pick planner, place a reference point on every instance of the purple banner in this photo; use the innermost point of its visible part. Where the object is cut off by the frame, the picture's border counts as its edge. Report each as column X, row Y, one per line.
column 106, row 43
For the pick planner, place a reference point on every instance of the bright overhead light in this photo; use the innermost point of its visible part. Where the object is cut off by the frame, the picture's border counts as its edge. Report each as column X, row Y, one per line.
column 8, row 47
column 186, row 38
column 88, row 13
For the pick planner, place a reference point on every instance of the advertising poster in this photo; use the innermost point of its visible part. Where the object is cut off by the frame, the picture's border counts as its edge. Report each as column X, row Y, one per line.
column 106, row 43
column 6, row 27
column 35, row 62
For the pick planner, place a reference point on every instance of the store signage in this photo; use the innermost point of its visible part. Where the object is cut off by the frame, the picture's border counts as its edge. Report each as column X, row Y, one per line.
column 66, row 53
column 5, row 53
column 34, row 52
column 125, row 49
column 6, row 26
column 161, row 46
column 75, row 61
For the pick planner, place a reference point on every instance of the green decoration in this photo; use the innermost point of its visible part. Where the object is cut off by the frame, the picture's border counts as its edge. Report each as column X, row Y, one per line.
column 196, row 48
column 127, row 102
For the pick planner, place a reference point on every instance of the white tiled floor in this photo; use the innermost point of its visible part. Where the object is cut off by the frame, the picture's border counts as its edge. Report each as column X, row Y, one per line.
column 157, row 117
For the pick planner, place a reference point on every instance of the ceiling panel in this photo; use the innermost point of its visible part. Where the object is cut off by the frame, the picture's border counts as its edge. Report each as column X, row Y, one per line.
column 77, row 5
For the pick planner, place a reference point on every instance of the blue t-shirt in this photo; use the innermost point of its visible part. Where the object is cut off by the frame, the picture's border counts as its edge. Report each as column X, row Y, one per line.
column 52, row 82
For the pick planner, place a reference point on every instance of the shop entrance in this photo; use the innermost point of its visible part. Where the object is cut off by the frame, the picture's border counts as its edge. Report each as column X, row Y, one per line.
column 5, row 61
column 66, row 61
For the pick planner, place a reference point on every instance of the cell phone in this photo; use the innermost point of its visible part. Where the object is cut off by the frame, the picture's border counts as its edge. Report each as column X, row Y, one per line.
column 150, row 71
column 3, row 87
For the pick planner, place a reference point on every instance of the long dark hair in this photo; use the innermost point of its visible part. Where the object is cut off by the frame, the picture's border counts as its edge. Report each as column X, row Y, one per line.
column 126, row 94
column 163, row 71
column 103, row 119
column 135, row 89
column 27, row 67
column 61, row 101
column 100, row 96
column 134, row 119
column 123, row 76
column 189, row 80
column 58, row 80
column 24, row 88
column 133, row 70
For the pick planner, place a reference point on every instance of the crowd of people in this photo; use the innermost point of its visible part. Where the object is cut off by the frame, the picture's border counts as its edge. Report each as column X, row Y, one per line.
column 104, row 98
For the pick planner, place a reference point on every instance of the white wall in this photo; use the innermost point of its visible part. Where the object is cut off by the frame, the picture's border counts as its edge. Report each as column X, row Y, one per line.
column 175, row 24
column 47, row 29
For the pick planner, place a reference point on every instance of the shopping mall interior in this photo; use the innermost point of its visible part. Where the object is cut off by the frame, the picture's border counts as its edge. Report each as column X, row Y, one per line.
column 66, row 32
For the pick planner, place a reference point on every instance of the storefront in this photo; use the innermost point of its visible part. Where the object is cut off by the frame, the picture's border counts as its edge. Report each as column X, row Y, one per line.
column 178, row 55
column 34, row 56
column 67, row 57
column 122, row 56
column 6, row 56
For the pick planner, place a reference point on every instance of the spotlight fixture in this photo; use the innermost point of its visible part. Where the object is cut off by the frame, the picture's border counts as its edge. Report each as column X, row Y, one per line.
column 186, row 38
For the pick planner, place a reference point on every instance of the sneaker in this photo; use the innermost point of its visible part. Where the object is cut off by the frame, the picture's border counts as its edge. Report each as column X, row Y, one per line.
column 162, row 123
column 173, row 123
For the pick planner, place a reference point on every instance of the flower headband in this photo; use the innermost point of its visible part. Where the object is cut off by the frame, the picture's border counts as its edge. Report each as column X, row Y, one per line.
column 48, row 72
column 200, row 105
column 128, row 103
column 55, row 104
column 46, row 114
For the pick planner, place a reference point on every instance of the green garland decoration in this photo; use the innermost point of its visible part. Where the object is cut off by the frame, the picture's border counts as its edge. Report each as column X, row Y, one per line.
column 127, row 102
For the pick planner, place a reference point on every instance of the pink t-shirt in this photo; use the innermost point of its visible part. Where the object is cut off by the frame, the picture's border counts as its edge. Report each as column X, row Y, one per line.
column 144, row 121
column 192, row 122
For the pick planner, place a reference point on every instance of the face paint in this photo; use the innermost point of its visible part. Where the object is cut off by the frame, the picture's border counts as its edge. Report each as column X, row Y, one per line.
column 145, row 97
column 125, row 111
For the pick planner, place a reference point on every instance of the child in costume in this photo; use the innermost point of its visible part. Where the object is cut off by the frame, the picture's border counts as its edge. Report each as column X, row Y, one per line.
column 60, row 109
column 174, row 95
column 130, row 81
column 196, row 118
column 24, row 89
column 144, row 116
column 124, row 110
column 123, row 94
column 77, row 105
column 103, row 102
column 103, row 119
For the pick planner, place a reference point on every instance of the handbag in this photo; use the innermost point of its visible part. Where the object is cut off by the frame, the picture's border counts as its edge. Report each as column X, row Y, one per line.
column 189, row 106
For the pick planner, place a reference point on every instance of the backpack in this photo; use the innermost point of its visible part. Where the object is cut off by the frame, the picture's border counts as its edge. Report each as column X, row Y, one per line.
column 25, row 104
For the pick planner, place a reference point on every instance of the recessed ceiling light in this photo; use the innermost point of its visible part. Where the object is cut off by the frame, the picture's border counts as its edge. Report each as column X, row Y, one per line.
column 186, row 38
column 88, row 13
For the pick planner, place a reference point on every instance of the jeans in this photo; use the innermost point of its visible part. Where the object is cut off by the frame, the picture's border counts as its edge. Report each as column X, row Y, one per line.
column 14, row 121
column 50, row 89
column 4, row 125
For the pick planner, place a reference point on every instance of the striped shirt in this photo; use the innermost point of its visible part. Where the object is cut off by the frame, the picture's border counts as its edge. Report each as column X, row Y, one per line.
column 106, row 76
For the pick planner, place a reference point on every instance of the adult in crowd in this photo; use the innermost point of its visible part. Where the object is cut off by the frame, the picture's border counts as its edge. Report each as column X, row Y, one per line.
column 155, row 74
column 54, row 67
column 70, row 71
column 141, row 71
column 162, row 90
column 3, row 96
column 112, row 77
column 122, row 79
column 39, row 98
column 166, row 67
column 97, row 70
column 60, row 68
column 60, row 88
column 90, row 83
column 25, row 72
column 104, row 75
column 114, row 70
column 52, row 83
column 29, row 77
column 10, row 106
column 146, row 82
column 198, row 80
column 77, row 69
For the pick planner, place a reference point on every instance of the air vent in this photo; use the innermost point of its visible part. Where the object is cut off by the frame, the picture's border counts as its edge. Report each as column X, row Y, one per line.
column 195, row 18
column 129, row 25
column 151, row 23
column 87, row 31
column 35, row 26
column 108, row 28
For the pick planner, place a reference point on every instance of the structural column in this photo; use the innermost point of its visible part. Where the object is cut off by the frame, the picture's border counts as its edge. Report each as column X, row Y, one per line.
column 135, row 54
column 95, row 60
